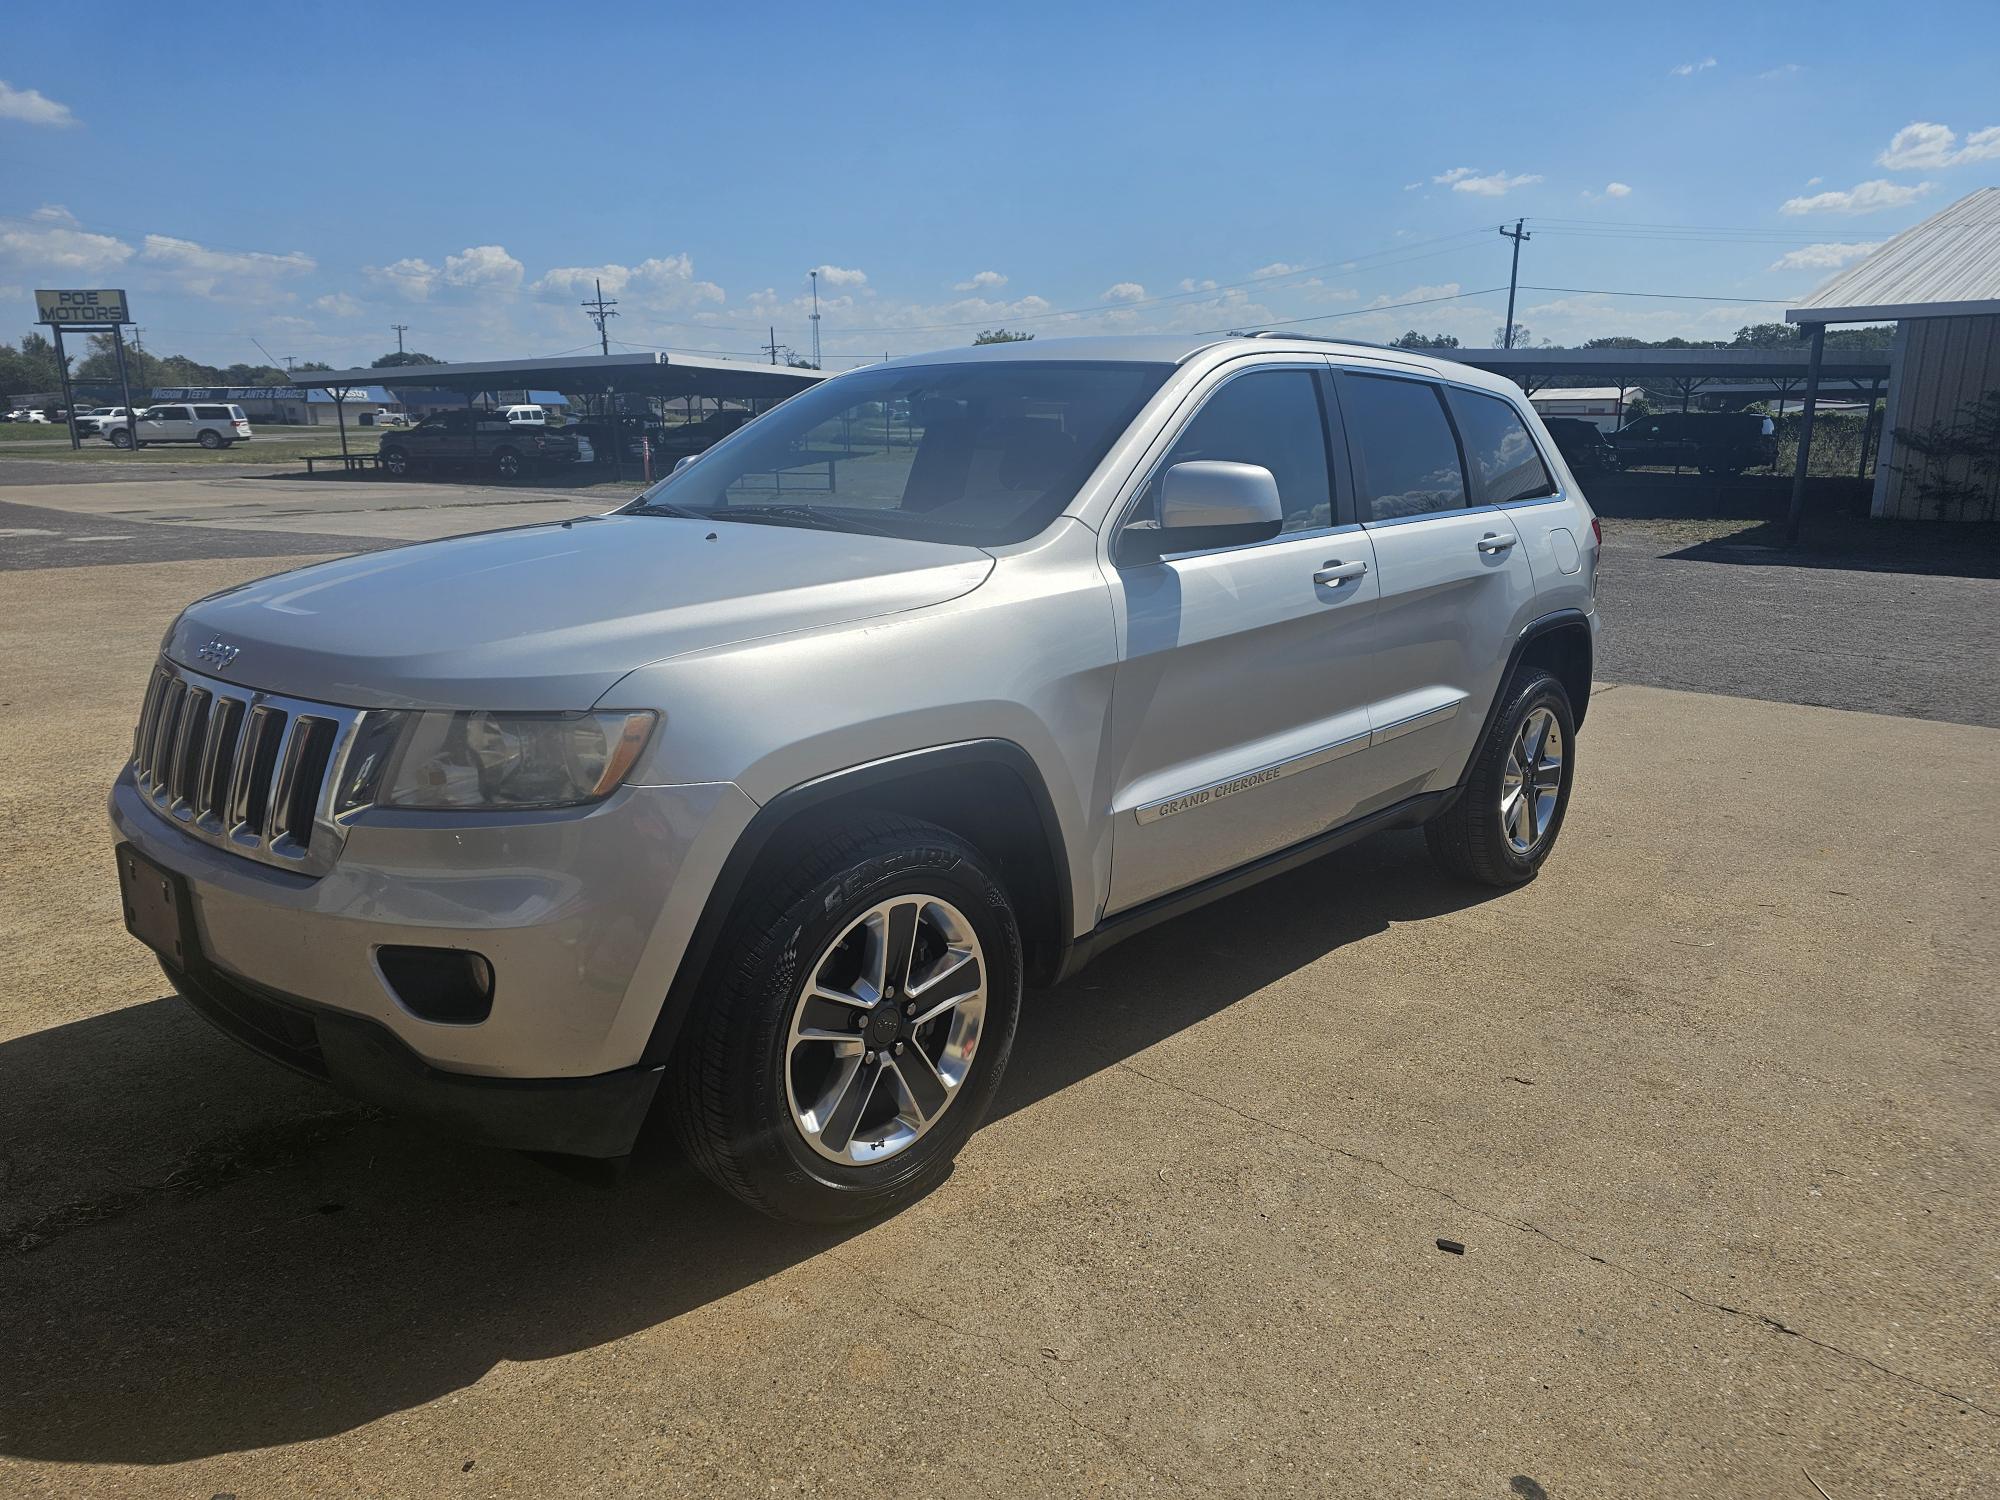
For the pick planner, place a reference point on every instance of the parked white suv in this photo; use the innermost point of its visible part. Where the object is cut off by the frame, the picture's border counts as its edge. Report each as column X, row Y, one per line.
column 211, row 424
column 766, row 794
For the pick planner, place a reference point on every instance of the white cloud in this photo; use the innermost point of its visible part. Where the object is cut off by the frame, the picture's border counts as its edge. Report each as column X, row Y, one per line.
column 1123, row 291
column 210, row 273
column 1426, row 293
column 32, row 107
column 1454, row 175
column 1814, row 181
column 842, row 276
column 662, row 278
column 54, row 240
column 1685, row 69
column 1824, row 256
column 1783, row 70
column 1491, row 185
column 483, row 266
column 1617, row 190
column 1411, row 187
column 1863, row 198
column 338, row 304
column 1922, row 146
column 1277, row 268
column 411, row 277
column 984, row 281
column 1189, row 284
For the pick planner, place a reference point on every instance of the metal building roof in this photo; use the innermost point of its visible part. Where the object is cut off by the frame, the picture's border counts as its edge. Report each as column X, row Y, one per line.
column 1947, row 266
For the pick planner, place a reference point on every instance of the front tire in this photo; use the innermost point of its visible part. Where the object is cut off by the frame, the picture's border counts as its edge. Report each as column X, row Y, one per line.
column 507, row 464
column 1505, row 820
column 120, row 439
column 396, row 461
column 854, row 1026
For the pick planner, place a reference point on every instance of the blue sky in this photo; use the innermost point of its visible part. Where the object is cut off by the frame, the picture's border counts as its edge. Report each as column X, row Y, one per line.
column 308, row 175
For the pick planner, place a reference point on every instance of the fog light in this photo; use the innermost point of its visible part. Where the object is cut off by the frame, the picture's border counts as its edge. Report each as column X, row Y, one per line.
column 451, row 986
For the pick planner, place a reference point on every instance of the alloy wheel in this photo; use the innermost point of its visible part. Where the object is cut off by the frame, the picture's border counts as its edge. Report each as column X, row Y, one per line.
column 1532, row 781
column 883, row 1034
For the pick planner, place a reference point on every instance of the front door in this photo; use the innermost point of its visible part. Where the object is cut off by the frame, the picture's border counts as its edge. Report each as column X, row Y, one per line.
column 1237, row 719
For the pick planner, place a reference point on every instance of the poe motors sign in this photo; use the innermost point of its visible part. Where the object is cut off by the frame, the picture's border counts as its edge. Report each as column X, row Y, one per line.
column 82, row 309
column 100, row 311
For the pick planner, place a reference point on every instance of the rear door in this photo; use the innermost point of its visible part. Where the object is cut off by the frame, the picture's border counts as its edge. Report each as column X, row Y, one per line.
column 1238, row 717
column 1453, row 575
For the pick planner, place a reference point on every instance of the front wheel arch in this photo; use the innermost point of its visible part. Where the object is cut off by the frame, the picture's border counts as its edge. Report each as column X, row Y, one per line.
column 989, row 792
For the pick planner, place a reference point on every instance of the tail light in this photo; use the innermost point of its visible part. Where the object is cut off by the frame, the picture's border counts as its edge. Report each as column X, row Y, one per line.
column 1597, row 531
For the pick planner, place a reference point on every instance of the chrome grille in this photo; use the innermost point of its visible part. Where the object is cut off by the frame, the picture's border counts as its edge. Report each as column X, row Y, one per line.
column 247, row 771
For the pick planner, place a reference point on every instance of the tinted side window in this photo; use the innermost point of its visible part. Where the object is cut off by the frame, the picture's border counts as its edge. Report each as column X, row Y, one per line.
column 1499, row 451
column 1271, row 418
column 1405, row 458
column 212, row 413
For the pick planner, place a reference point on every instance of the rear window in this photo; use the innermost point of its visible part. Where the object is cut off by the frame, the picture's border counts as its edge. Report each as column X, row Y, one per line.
column 1405, row 458
column 212, row 413
column 1501, row 454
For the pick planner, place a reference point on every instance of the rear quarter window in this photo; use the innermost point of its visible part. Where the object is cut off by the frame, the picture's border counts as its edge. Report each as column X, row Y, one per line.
column 212, row 413
column 1499, row 450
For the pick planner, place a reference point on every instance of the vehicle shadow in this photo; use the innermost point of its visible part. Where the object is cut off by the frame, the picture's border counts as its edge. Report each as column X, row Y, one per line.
column 301, row 1282
column 1941, row 549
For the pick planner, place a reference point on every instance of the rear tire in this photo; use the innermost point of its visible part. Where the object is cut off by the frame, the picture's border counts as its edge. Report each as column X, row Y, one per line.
column 1505, row 820
column 210, row 439
column 762, row 1089
column 507, row 464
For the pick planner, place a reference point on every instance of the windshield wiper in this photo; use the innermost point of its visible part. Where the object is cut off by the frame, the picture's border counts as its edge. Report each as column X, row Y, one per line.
column 662, row 508
column 798, row 515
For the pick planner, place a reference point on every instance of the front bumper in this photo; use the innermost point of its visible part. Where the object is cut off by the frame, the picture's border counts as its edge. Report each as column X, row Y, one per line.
column 584, row 916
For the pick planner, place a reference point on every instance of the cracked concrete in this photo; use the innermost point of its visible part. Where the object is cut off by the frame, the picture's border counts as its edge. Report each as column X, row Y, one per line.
column 1712, row 1107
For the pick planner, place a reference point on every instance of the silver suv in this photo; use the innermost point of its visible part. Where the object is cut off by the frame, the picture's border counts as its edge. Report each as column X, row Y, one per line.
column 765, row 795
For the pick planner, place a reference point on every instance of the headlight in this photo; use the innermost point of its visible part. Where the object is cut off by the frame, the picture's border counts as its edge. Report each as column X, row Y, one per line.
column 489, row 760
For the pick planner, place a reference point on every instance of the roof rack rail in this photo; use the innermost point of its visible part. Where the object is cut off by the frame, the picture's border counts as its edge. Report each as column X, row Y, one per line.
column 1321, row 338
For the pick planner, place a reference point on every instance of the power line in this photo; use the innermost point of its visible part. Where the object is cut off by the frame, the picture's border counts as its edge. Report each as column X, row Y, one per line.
column 1357, row 312
column 1598, row 291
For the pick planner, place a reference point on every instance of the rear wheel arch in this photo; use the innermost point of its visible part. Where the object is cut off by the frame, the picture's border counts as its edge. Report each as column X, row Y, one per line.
column 988, row 792
column 1560, row 646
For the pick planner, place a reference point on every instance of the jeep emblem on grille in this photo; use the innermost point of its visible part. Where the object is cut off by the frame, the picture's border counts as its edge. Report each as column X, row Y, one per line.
column 216, row 653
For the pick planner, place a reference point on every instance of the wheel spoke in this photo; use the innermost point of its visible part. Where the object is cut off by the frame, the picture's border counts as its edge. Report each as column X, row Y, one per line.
column 922, row 1089
column 898, row 942
column 820, row 1034
column 959, row 975
column 850, row 1094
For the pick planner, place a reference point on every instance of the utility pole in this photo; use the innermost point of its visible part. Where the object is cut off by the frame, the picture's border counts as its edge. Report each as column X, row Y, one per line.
column 139, row 346
column 815, row 277
column 401, row 329
column 599, row 310
column 290, row 360
column 773, row 346
column 1516, row 234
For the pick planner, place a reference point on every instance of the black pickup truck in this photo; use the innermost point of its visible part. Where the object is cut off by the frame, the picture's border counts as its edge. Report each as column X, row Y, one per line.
column 479, row 440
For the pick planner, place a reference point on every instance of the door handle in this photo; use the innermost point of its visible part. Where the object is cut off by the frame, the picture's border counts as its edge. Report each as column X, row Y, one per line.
column 1337, row 572
column 1493, row 544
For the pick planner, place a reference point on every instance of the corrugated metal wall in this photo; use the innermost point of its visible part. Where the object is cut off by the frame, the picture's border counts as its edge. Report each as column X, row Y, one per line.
column 1943, row 363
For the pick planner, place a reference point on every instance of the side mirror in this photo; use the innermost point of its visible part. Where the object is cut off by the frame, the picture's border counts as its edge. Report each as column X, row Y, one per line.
column 1206, row 503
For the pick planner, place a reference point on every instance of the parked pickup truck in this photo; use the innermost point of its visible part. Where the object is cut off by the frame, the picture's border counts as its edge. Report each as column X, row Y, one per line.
column 481, row 440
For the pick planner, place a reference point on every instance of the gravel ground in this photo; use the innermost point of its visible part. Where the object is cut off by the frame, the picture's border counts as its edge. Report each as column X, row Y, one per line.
column 1761, row 623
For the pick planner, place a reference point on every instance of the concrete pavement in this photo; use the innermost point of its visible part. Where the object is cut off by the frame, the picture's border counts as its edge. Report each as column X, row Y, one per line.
column 1711, row 1105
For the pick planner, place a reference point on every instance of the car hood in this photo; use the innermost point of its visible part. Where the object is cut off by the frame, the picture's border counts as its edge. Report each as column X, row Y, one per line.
column 550, row 616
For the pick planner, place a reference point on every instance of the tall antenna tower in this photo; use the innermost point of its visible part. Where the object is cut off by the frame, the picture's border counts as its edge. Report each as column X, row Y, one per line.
column 815, row 277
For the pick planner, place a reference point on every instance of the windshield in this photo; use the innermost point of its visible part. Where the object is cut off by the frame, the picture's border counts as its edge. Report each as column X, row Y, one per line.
column 974, row 452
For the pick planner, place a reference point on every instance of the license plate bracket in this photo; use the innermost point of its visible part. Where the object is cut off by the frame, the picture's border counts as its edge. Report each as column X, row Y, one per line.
column 157, row 910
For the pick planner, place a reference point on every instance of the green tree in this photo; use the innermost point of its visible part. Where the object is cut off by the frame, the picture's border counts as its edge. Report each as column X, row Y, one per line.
column 392, row 361
column 310, row 365
column 1766, row 336
column 1002, row 336
column 1415, row 340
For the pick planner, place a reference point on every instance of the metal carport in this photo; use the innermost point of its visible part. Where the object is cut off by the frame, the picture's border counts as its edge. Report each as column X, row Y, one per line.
column 663, row 376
